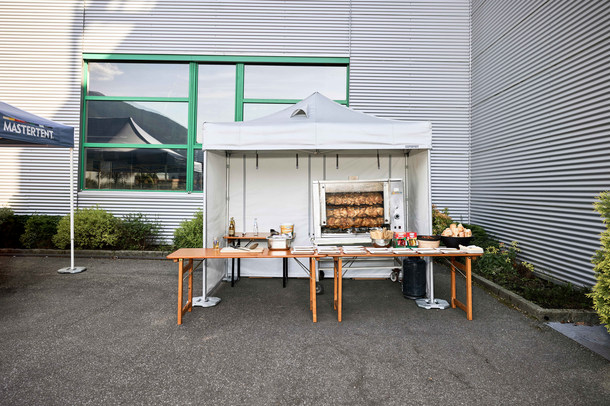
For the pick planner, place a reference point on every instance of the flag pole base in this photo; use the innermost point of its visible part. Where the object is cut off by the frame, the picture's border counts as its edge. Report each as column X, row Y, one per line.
column 76, row 269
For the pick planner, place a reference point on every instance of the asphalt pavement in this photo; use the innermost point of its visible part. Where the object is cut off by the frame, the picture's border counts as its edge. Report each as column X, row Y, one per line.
column 109, row 336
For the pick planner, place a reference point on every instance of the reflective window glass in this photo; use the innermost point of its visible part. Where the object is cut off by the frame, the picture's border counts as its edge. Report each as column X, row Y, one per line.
column 135, row 169
column 258, row 110
column 294, row 82
column 216, row 94
column 137, row 122
column 138, row 79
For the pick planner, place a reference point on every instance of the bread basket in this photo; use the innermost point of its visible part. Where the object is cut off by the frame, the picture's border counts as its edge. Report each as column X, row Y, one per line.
column 428, row 241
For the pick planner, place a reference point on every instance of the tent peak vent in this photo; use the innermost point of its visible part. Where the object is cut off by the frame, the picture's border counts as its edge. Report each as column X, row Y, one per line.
column 300, row 112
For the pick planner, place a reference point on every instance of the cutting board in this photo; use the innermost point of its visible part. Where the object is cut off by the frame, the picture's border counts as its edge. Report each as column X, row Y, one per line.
column 231, row 250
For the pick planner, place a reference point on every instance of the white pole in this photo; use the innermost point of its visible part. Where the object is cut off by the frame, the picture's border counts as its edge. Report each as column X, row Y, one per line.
column 71, row 208
column 72, row 268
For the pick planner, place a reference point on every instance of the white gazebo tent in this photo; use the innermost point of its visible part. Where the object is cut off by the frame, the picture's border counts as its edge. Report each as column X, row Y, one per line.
column 264, row 169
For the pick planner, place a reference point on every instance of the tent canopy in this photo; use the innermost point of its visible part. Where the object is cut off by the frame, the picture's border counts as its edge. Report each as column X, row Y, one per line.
column 317, row 123
column 20, row 128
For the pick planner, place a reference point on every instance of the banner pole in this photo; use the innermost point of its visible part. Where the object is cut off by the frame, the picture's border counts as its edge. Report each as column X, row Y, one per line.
column 72, row 268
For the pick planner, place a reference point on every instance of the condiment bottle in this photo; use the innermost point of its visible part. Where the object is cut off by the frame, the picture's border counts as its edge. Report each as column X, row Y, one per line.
column 232, row 228
column 255, row 228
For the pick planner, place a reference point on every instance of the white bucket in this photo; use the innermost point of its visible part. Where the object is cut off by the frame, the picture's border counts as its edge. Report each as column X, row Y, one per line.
column 287, row 228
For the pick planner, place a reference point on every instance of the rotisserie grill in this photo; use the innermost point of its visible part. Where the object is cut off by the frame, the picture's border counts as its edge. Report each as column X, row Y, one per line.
column 345, row 211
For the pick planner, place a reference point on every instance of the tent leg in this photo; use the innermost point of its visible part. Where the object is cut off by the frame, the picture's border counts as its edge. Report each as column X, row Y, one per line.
column 431, row 302
column 72, row 268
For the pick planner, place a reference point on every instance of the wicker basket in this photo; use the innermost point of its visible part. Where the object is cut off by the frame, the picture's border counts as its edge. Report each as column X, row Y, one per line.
column 428, row 243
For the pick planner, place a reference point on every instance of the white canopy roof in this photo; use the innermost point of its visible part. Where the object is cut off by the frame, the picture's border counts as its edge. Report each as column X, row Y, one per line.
column 317, row 123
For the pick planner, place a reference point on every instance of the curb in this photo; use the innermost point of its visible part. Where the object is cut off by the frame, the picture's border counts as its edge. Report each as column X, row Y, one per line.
column 532, row 309
column 85, row 253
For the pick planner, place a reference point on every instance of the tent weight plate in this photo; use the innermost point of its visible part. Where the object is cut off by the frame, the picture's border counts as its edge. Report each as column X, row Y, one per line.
column 76, row 269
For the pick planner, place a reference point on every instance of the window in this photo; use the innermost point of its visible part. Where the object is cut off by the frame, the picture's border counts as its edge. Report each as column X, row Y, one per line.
column 142, row 118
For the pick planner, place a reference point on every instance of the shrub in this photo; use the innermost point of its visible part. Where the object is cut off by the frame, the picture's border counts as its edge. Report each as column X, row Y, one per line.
column 138, row 232
column 39, row 231
column 93, row 228
column 12, row 227
column 480, row 237
column 190, row 232
column 440, row 220
column 601, row 260
column 498, row 263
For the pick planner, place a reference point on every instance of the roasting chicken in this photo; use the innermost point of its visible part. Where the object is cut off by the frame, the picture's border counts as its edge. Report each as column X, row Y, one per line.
column 354, row 199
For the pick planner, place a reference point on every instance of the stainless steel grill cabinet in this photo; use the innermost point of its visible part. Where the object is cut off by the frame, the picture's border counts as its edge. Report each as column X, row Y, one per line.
column 344, row 212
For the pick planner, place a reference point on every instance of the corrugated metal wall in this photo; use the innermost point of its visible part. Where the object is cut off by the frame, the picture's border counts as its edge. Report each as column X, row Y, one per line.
column 540, row 127
column 40, row 71
column 410, row 61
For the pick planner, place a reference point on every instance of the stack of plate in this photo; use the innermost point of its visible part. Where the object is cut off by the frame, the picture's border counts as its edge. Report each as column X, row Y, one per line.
column 403, row 251
column 303, row 250
column 379, row 250
column 328, row 250
column 428, row 250
column 354, row 250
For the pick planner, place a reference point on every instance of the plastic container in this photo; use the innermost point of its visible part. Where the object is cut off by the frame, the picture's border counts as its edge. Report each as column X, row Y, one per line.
column 278, row 243
column 287, row 228
column 400, row 240
column 413, row 278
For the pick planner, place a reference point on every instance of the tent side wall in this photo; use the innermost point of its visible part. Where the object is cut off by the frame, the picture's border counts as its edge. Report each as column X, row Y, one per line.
column 418, row 198
column 214, row 211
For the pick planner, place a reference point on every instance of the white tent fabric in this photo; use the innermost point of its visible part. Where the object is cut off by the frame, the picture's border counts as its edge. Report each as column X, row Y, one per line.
column 317, row 123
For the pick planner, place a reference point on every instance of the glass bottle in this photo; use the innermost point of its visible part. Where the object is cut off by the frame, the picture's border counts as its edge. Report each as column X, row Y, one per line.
column 232, row 228
column 255, row 228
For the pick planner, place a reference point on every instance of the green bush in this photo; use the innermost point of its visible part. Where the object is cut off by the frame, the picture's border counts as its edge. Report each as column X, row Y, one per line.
column 138, row 232
column 11, row 226
column 440, row 220
column 39, row 231
column 601, row 260
column 94, row 228
column 190, row 232
column 480, row 237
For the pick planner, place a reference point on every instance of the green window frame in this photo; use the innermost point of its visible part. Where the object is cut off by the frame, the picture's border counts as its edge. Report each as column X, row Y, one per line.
column 193, row 60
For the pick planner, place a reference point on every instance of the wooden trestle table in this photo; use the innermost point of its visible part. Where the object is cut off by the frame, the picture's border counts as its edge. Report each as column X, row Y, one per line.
column 466, row 268
column 190, row 254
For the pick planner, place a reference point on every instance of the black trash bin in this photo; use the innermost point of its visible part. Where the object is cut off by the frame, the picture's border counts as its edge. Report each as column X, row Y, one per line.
column 413, row 278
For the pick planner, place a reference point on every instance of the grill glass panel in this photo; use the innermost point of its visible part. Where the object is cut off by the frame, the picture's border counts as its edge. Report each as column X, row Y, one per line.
column 353, row 212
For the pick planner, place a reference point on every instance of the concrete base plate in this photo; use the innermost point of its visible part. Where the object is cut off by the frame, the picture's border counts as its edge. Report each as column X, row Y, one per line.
column 76, row 269
column 209, row 301
column 432, row 304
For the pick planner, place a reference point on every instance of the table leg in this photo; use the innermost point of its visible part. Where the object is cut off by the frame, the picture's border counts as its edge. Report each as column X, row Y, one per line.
column 232, row 272
column 312, row 288
column 190, row 308
column 335, row 282
column 453, row 289
column 468, row 288
column 238, row 268
column 180, row 287
column 340, row 293
column 284, row 270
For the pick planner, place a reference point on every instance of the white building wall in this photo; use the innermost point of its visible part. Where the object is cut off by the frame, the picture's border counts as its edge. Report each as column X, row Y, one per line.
column 409, row 61
column 540, row 128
